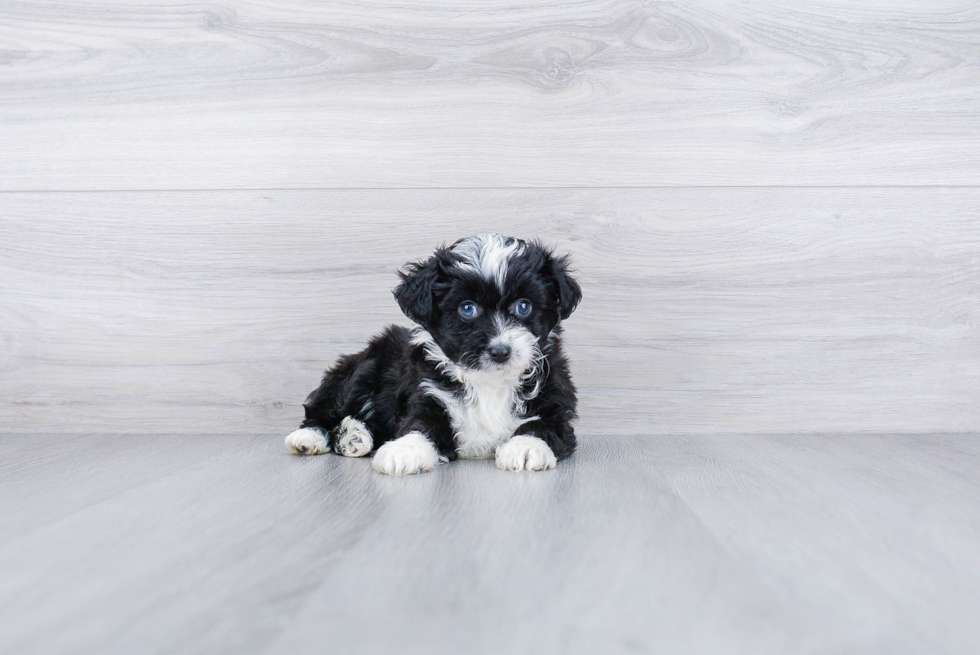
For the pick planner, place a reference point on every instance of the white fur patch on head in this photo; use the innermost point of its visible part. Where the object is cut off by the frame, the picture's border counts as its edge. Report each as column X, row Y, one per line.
column 525, row 453
column 412, row 453
column 487, row 255
column 307, row 441
column 353, row 438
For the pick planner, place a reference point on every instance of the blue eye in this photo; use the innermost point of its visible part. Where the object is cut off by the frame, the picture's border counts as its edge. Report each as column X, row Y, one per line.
column 522, row 307
column 468, row 309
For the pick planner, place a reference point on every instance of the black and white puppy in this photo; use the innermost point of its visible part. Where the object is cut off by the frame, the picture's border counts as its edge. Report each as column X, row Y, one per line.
column 482, row 376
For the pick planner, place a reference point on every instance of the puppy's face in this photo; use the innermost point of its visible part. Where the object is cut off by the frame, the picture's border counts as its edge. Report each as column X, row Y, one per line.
column 489, row 301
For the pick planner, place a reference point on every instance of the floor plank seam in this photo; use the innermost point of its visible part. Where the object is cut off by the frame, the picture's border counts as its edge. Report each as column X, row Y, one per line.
column 579, row 187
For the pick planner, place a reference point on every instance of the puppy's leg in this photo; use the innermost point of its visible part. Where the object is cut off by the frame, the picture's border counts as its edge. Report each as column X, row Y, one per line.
column 308, row 441
column 352, row 438
column 341, row 393
column 539, row 444
column 426, row 439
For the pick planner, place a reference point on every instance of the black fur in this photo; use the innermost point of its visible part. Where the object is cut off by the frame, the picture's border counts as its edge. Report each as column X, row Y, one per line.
column 380, row 386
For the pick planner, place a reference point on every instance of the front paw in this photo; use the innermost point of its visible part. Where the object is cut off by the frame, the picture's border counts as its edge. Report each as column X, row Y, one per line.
column 523, row 453
column 412, row 453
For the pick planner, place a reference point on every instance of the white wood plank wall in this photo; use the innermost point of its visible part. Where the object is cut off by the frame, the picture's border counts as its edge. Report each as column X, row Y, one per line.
column 774, row 207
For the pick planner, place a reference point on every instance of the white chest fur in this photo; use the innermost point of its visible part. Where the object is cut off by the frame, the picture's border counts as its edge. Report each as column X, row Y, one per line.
column 485, row 415
column 488, row 410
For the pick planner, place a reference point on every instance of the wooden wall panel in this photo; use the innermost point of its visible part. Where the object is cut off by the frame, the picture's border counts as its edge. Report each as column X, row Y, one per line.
column 270, row 94
column 705, row 311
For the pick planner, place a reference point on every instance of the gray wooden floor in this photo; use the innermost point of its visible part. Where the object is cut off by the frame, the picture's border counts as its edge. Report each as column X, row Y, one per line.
column 725, row 544
column 774, row 210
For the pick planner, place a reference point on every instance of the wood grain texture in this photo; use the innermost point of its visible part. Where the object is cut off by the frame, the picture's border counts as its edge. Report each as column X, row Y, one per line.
column 270, row 94
column 734, row 544
column 773, row 209
column 705, row 311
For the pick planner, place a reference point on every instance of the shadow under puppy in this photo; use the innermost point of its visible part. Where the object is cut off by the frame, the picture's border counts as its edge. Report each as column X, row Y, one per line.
column 482, row 376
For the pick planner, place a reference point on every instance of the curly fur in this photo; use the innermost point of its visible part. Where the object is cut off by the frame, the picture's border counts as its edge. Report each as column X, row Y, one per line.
column 467, row 385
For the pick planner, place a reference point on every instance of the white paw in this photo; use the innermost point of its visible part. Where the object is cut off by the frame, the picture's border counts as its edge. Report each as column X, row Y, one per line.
column 406, row 455
column 353, row 438
column 523, row 453
column 307, row 441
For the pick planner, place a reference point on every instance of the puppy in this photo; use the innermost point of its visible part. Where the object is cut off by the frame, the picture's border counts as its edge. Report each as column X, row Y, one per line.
column 483, row 374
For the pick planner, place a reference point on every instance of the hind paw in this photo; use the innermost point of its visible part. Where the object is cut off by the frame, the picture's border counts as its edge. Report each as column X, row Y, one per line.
column 307, row 441
column 353, row 438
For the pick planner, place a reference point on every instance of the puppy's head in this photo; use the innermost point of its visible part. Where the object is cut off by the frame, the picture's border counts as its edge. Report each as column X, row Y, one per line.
column 489, row 301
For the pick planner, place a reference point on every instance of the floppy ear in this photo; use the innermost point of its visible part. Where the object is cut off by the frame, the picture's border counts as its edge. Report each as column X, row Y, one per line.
column 416, row 293
column 566, row 288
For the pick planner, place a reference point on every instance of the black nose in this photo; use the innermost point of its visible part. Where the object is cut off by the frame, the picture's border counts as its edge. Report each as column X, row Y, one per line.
column 499, row 353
